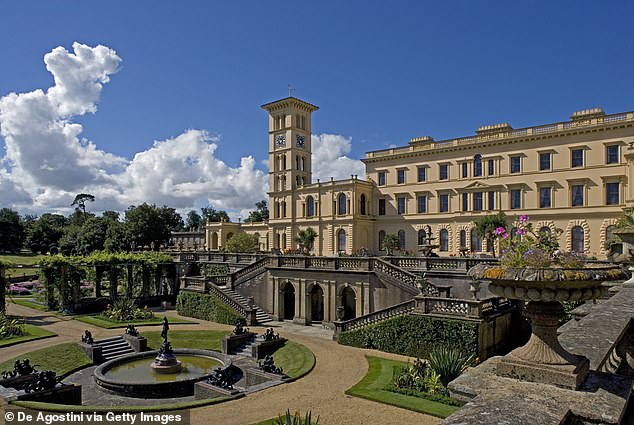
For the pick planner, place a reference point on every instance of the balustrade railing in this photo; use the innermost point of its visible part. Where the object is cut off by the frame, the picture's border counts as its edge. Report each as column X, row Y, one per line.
column 377, row 316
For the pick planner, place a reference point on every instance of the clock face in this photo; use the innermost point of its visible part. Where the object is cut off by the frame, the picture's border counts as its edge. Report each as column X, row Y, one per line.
column 280, row 140
column 300, row 141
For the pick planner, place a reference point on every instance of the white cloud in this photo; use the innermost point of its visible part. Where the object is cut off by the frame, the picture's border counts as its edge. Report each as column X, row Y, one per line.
column 48, row 161
column 330, row 158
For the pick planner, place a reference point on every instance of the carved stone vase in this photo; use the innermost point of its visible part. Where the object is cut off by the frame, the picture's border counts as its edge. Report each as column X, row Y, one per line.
column 542, row 359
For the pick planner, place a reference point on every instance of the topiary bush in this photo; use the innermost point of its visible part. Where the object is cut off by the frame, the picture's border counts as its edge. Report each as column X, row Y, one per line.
column 414, row 335
column 205, row 307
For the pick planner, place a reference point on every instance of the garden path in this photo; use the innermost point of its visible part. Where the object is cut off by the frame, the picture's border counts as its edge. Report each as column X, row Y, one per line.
column 322, row 391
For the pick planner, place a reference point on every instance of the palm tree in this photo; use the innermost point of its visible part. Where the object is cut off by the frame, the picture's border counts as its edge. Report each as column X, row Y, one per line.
column 486, row 226
column 305, row 239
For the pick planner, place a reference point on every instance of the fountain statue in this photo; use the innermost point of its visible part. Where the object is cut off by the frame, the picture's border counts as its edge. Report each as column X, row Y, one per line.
column 428, row 245
column 165, row 361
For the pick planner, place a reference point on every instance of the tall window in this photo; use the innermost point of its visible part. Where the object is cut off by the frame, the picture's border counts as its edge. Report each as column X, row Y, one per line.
column 465, row 170
column 610, row 240
column 310, row 206
column 422, row 236
column 400, row 176
column 491, row 165
column 381, row 178
column 463, row 239
column 422, row 204
column 576, row 195
column 544, row 161
column 284, row 240
column 477, row 201
column 491, row 200
column 544, row 197
column 612, row 193
column 612, row 154
column 545, row 229
column 444, row 240
column 476, row 242
column 477, row 165
column 400, row 201
column 443, row 173
column 465, row 202
column 516, row 164
column 577, row 239
column 444, row 202
column 576, row 158
column 381, row 237
column 341, row 240
column 401, row 239
column 341, row 208
column 381, row 206
column 362, row 209
column 422, row 174
column 516, row 199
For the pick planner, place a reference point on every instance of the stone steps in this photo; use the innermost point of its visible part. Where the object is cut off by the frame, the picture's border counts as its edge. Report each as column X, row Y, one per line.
column 114, row 347
column 260, row 315
column 245, row 349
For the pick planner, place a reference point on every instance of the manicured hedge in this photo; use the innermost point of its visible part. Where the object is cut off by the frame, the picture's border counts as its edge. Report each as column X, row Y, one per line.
column 414, row 335
column 205, row 307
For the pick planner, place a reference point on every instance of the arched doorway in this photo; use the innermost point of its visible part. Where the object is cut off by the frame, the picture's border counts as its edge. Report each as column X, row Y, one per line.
column 316, row 304
column 288, row 301
column 214, row 240
column 349, row 303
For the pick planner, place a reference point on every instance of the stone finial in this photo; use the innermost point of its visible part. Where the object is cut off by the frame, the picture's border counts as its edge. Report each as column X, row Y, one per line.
column 586, row 114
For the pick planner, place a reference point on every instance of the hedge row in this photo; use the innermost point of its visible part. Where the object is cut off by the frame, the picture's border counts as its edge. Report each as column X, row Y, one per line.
column 205, row 307
column 414, row 335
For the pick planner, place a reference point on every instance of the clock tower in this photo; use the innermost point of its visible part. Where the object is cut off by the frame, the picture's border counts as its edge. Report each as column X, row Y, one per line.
column 289, row 160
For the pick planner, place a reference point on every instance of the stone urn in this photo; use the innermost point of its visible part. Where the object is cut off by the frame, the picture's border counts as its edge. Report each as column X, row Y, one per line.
column 543, row 359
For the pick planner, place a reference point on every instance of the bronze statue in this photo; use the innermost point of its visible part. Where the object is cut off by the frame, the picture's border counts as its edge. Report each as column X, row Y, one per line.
column 166, row 328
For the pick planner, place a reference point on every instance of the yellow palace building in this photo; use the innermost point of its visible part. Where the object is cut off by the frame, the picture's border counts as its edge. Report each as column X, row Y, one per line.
column 572, row 175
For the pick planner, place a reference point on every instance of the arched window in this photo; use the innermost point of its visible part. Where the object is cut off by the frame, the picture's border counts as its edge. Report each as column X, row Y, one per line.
column 422, row 237
column 611, row 242
column 283, row 162
column 310, row 206
column 341, row 240
column 577, row 239
column 381, row 237
column 444, row 240
column 284, row 240
column 463, row 239
column 362, row 209
column 297, row 162
column 283, row 208
column 303, row 164
column 545, row 229
column 476, row 242
column 341, row 200
column 477, row 165
column 401, row 239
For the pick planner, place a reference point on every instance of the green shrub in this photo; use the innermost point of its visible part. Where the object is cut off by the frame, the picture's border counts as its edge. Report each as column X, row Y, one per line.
column 414, row 335
column 296, row 419
column 448, row 363
column 10, row 327
column 205, row 307
column 214, row 269
column 125, row 309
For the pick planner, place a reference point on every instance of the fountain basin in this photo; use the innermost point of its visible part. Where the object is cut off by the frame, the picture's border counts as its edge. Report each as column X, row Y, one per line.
column 133, row 376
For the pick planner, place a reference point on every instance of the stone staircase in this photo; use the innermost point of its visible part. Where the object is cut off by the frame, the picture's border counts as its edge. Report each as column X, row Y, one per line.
column 114, row 347
column 261, row 315
column 245, row 349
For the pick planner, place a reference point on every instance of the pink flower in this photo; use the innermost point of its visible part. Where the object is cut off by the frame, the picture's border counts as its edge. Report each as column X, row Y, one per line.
column 500, row 230
column 520, row 231
column 523, row 218
column 505, row 235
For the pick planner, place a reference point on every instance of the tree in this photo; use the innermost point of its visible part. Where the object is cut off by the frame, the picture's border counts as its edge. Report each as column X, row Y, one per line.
column 149, row 224
column 118, row 237
column 46, row 231
column 261, row 213
column 12, row 232
column 80, row 201
column 193, row 220
column 110, row 215
column 243, row 242
column 305, row 239
column 390, row 243
column 85, row 238
column 485, row 227
column 211, row 215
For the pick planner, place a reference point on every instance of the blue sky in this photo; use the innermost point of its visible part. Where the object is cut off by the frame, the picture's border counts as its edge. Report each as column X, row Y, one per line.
column 382, row 72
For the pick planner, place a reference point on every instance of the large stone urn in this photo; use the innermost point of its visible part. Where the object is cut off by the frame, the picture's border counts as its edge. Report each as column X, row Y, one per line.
column 543, row 359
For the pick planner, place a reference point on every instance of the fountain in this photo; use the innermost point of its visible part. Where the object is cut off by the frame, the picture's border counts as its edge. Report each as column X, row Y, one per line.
column 166, row 361
column 428, row 246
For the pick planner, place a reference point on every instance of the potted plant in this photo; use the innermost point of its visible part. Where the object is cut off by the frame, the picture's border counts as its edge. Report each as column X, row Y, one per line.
column 533, row 269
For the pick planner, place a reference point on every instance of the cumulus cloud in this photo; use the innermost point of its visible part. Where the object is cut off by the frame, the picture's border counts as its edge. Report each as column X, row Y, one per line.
column 330, row 158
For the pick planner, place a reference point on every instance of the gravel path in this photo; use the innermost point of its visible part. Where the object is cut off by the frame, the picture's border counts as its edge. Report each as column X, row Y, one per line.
column 322, row 391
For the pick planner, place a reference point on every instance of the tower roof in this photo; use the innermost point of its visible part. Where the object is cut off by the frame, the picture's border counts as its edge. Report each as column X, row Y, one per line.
column 289, row 101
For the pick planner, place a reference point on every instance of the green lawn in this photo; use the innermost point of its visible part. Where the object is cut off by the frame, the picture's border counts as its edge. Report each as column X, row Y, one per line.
column 102, row 322
column 25, row 258
column 32, row 333
column 295, row 359
column 27, row 302
column 62, row 358
column 379, row 377
column 200, row 340
column 22, row 271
